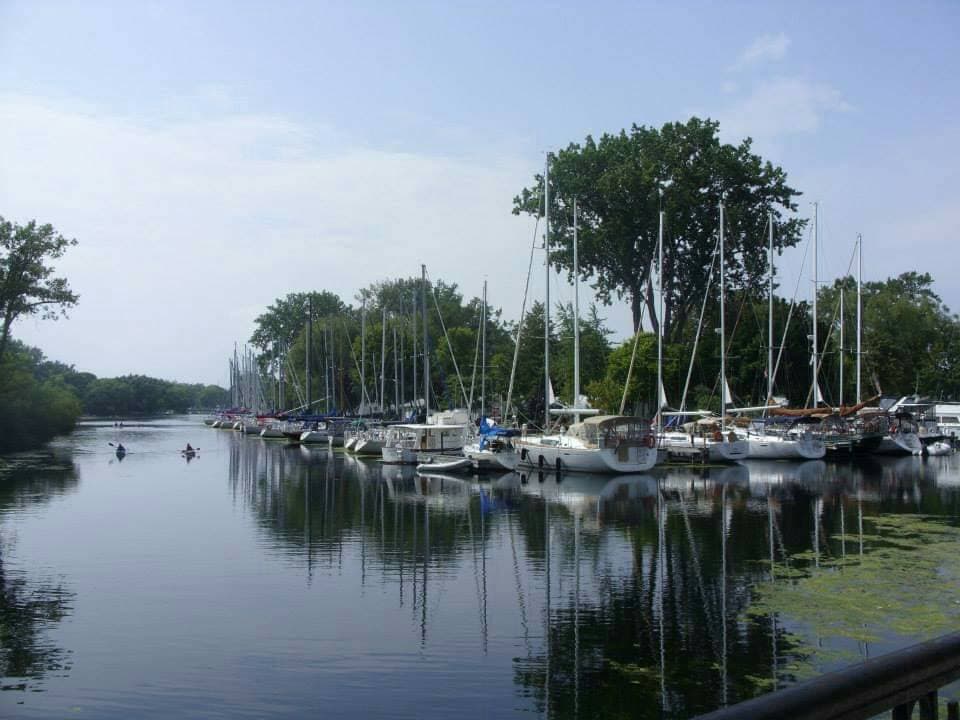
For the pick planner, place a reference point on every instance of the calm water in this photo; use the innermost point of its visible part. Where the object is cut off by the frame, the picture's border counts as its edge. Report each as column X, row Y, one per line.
column 259, row 580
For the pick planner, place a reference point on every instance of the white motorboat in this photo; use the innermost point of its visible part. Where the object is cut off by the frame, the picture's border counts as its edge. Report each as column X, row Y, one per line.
column 442, row 433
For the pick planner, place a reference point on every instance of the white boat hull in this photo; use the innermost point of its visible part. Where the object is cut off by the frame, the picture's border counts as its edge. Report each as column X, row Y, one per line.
column 774, row 447
column 491, row 460
column 628, row 459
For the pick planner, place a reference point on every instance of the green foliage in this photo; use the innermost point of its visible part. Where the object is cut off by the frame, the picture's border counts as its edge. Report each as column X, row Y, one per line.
column 141, row 395
column 911, row 340
column 617, row 182
column 26, row 283
column 607, row 392
column 33, row 409
column 594, row 350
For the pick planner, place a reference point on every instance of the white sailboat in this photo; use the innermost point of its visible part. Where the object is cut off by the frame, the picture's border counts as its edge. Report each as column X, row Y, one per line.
column 767, row 439
column 715, row 446
column 600, row 444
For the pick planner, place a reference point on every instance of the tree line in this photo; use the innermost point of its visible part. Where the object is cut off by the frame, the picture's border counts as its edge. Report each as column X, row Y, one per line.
column 41, row 398
column 625, row 187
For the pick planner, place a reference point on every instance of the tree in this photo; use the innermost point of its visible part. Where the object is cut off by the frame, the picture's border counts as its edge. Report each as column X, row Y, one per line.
column 26, row 283
column 911, row 340
column 618, row 182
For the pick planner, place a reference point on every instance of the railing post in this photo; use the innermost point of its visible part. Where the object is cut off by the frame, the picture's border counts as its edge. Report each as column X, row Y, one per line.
column 929, row 709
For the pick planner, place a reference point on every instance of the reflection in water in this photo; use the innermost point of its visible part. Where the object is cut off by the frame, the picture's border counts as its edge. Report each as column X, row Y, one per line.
column 30, row 604
column 396, row 594
column 644, row 580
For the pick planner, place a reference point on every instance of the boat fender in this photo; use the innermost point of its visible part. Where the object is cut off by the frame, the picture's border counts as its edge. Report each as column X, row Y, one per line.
column 540, row 462
column 559, row 466
column 523, row 453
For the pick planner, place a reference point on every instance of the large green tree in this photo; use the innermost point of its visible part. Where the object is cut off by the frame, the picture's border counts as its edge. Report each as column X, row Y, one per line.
column 27, row 284
column 911, row 340
column 622, row 181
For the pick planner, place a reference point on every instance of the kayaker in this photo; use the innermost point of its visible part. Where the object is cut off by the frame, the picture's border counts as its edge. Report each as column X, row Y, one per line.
column 121, row 448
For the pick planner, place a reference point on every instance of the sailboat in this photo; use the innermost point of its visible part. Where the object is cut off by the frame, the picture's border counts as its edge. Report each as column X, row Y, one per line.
column 444, row 432
column 601, row 443
column 493, row 449
column 772, row 438
column 717, row 445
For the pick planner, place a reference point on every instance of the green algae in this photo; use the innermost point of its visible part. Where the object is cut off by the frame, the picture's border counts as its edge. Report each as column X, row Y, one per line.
column 904, row 585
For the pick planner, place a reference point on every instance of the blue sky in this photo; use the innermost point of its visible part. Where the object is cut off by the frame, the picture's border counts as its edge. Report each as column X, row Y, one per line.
column 212, row 156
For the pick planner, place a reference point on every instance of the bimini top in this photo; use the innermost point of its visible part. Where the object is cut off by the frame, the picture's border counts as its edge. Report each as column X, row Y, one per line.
column 625, row 426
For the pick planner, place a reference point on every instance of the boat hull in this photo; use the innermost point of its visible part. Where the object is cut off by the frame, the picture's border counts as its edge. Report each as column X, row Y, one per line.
column 777, row 448
column 630, row 458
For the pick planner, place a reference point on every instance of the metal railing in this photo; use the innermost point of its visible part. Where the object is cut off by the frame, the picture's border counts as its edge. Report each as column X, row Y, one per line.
column 898, row 681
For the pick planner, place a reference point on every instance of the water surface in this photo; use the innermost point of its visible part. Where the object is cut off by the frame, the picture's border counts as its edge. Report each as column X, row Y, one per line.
column 259, row 580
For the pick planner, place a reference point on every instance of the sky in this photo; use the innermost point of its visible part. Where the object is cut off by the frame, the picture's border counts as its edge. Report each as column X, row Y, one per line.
column 212, row 157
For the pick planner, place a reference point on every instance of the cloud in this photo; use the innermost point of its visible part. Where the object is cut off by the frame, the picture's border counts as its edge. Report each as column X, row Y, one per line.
column 780, row 107
column 190, row 228
column 766, row 48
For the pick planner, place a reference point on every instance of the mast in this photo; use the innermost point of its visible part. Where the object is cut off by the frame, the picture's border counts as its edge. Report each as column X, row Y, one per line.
column 546, row 307
column 770, row 318
column 306, row 353
column 841, row 345
column 814, row 336
column 859, row 307
column 363, row 355
column 326, row 368
column 576, row 314
column 723, row 334
column 483, row 354
column 426, row 355
column 660, row 320
column 396, row 373
column 383, row 357
column 414, row 308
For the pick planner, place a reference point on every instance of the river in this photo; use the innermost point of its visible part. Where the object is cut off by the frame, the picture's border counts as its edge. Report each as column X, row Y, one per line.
column 259, row 580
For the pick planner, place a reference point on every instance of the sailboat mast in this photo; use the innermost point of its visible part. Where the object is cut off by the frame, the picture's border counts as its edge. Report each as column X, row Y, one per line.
column 660, row 320
column 770, row 319
column 483, row 354
column 576, row 311
column 306, row 353
column 815, row 358
column 396, row 372
column 546, row 307
column 841, row 345
column 383, row 357
column 363, row 355
column 859, row 307
column 723, row 333
column 426, row 356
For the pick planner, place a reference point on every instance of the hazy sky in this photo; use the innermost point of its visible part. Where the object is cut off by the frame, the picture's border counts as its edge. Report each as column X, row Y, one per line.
column 212, row 156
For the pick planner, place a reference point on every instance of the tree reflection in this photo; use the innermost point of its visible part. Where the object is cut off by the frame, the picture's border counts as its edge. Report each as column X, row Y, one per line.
column 632, row 592
column 29, row 605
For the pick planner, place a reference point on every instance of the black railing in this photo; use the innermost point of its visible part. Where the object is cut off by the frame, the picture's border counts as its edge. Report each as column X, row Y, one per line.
column 898, row 681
